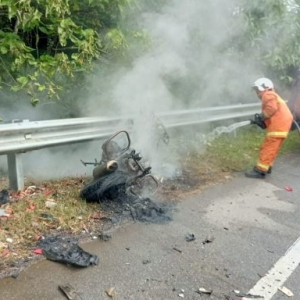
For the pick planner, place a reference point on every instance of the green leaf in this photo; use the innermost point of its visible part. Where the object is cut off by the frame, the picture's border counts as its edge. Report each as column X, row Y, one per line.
column 34, row 101
column 44, row 30
column 3, row 50
column 23, row 80
column 16, row 88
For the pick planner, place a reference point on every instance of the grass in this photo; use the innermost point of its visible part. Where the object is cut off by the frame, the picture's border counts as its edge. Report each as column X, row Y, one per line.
column 239, row 151
column 44, row 208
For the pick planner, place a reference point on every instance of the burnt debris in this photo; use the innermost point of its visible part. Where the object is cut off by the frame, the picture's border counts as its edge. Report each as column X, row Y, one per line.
column 122, row 183
column 4, row 197
column 67, row 251
column 138, row 209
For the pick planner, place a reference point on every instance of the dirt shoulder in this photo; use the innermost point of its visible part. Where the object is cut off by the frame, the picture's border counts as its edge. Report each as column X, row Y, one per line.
column 54, row 208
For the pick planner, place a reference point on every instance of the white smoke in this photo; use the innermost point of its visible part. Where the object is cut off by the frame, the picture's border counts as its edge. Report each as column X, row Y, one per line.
column 190, row 64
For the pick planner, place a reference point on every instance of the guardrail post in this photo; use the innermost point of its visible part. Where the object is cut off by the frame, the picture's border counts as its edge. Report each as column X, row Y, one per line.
column 15, row 171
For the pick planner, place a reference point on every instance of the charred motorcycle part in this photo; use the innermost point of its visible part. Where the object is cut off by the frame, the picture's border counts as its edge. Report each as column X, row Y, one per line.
column 110, row 148
column 105, row 168
column 121, row 170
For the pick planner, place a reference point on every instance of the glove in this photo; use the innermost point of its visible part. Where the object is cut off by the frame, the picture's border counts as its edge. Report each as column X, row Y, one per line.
column 259, row 121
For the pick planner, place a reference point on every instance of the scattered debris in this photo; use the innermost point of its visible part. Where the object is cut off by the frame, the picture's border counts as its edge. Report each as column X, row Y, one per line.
column 146, row 261
column 249, row 296
column 146, row 210
column 9, row 240
column 3, row 213
column 38, row 251
column 69, row 291
column 286, row 291
column 190, row 237
column 176, row 249
column 66, row 250
column 31, row 207
column 110, row 292
column 30, row 190
column 137, row 209
column 47, row 192
column 50, row 203
column 181, row 295
column 4, row 197
column 47, row 216
column 204, row 291
column 288, row 188
column 208, row 240
column 105, row 237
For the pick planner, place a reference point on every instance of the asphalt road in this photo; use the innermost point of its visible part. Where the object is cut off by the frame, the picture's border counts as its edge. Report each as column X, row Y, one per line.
column 251, row 223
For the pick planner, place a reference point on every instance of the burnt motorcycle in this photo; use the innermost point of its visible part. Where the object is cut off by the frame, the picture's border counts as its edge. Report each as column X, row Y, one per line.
column 121, row 171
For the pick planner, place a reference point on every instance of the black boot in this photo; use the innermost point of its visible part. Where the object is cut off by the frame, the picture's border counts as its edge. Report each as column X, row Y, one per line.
column 269, row 170
column 255, row 173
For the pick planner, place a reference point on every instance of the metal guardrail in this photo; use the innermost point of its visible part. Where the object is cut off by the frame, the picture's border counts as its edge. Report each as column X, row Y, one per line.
column 16, row 138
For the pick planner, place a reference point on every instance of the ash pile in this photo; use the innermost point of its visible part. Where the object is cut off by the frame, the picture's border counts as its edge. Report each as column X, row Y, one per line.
column 122, row 183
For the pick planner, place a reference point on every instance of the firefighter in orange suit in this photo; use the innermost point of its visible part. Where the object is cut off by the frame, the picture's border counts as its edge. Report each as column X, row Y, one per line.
column 277, row 119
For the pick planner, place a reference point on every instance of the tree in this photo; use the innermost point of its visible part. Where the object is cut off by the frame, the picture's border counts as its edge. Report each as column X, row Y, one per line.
column 44, row 44
column 271, row 35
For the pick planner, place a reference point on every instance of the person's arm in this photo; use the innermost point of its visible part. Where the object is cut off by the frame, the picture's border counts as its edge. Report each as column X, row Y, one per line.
column 269, row 105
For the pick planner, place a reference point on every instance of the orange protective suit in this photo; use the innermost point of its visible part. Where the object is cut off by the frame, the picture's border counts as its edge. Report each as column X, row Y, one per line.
column 278, row 120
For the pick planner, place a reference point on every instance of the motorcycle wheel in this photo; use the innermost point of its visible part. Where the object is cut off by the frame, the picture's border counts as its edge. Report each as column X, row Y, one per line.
column 101, row 187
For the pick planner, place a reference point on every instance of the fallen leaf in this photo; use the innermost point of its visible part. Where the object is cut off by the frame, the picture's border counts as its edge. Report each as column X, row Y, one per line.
column 30, row 190
column 110, row 292
column 69, row 291
column 47, row 192
column 38, row 251
column 5, row 253
column 31, row 207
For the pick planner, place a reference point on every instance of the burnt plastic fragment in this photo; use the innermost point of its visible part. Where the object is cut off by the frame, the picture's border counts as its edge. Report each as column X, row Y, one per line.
column 67, row 251
column 4, row 197
column 190, row 237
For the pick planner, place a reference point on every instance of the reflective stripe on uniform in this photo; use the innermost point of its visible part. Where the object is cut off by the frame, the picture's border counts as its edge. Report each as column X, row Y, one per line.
column 282, row 134
column 263, row 167
column 279, row 100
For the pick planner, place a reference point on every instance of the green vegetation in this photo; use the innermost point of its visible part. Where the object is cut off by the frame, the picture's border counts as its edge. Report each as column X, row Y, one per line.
column 270, row 33
column 228, row 153
column 48, row 48
column 44, row 44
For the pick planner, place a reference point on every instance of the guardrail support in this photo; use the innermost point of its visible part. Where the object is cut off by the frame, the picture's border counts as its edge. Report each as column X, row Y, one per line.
column 15, row 171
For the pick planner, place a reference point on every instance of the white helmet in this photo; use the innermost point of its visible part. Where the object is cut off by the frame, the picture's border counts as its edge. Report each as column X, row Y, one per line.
column 263, row 84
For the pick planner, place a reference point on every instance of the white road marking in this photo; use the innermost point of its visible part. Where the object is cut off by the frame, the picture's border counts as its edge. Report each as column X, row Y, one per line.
column 268, row 285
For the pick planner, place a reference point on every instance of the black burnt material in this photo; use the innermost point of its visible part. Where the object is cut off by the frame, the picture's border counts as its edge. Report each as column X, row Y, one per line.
column 66, row 250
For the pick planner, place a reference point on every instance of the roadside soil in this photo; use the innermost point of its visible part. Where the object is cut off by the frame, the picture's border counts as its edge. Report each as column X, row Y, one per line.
column 31, row 216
